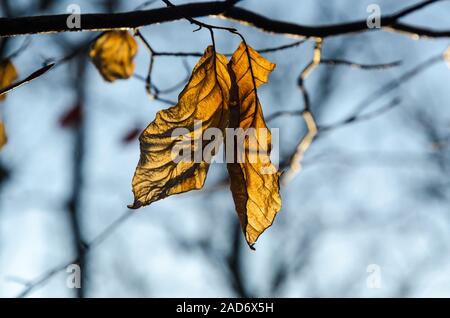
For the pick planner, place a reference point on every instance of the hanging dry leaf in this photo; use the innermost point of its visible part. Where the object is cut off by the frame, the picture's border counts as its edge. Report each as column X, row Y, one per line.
column 3, row 138
column 254, row 180
column 113, row 53
column 205, row 98
column 8, row 74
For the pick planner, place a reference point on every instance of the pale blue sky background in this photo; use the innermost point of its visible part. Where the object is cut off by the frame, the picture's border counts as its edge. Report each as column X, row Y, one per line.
column 370, row 193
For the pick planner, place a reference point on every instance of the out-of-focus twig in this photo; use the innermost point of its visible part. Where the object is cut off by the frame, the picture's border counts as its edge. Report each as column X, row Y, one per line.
column 391, row 85
column 308, row 117
column 30, row 286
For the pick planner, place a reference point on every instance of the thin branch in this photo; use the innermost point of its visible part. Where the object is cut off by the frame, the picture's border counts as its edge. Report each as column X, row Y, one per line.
column 414, row 8
column 148, row 80
column 281, row 47
column 296, row 159
column 314, row 129
column 265, row 50
column 28, row 79
column 144, row 5
column 353, row 118
column 337, row 62
column 294, row 163
column 356, row 116
column 391, row 85
column 200, row 24
column 176, row 86
column 334, row 62
column 21, row 49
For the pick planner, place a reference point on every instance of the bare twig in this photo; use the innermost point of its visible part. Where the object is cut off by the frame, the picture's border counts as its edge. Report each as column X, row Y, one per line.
column 337, row 62
column 264, row 50
column 391, row 85
column 148, row 80
column 28, row 79
column 21, row 49
column 302, row 147
column 353, row 118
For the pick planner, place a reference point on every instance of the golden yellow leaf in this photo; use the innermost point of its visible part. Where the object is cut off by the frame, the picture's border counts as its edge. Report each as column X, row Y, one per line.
column 205, row 98
column 254, row 180
column 8, row 74
column 3, row 138
column 113, row 53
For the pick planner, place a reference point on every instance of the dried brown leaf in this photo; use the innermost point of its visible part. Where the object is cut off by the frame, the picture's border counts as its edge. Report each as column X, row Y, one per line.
column 113, row 53
column 254, row 180
column 205, row 98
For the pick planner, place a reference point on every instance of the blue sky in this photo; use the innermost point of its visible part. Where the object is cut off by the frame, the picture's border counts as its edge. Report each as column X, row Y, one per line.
column 361, row 199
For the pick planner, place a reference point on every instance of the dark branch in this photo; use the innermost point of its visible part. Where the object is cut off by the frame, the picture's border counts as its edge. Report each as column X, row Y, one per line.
column 136, row 19
column 28, row 79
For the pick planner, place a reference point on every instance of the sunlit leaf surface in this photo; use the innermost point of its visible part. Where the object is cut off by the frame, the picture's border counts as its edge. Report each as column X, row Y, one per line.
column 205, row 98
column 254, row 183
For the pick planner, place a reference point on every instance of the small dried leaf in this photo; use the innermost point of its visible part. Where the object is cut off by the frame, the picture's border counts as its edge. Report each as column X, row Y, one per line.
column 447, row 56
column 254, row 181
column 3, row 138
column 8, row 74
column 205, row 98
column 113, row 53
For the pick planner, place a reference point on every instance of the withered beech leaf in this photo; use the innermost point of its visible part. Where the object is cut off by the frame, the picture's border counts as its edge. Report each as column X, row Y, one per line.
column 255, row 180
column 8, row 74
column 113, row 53
column 3, row 138
column 205, row 98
